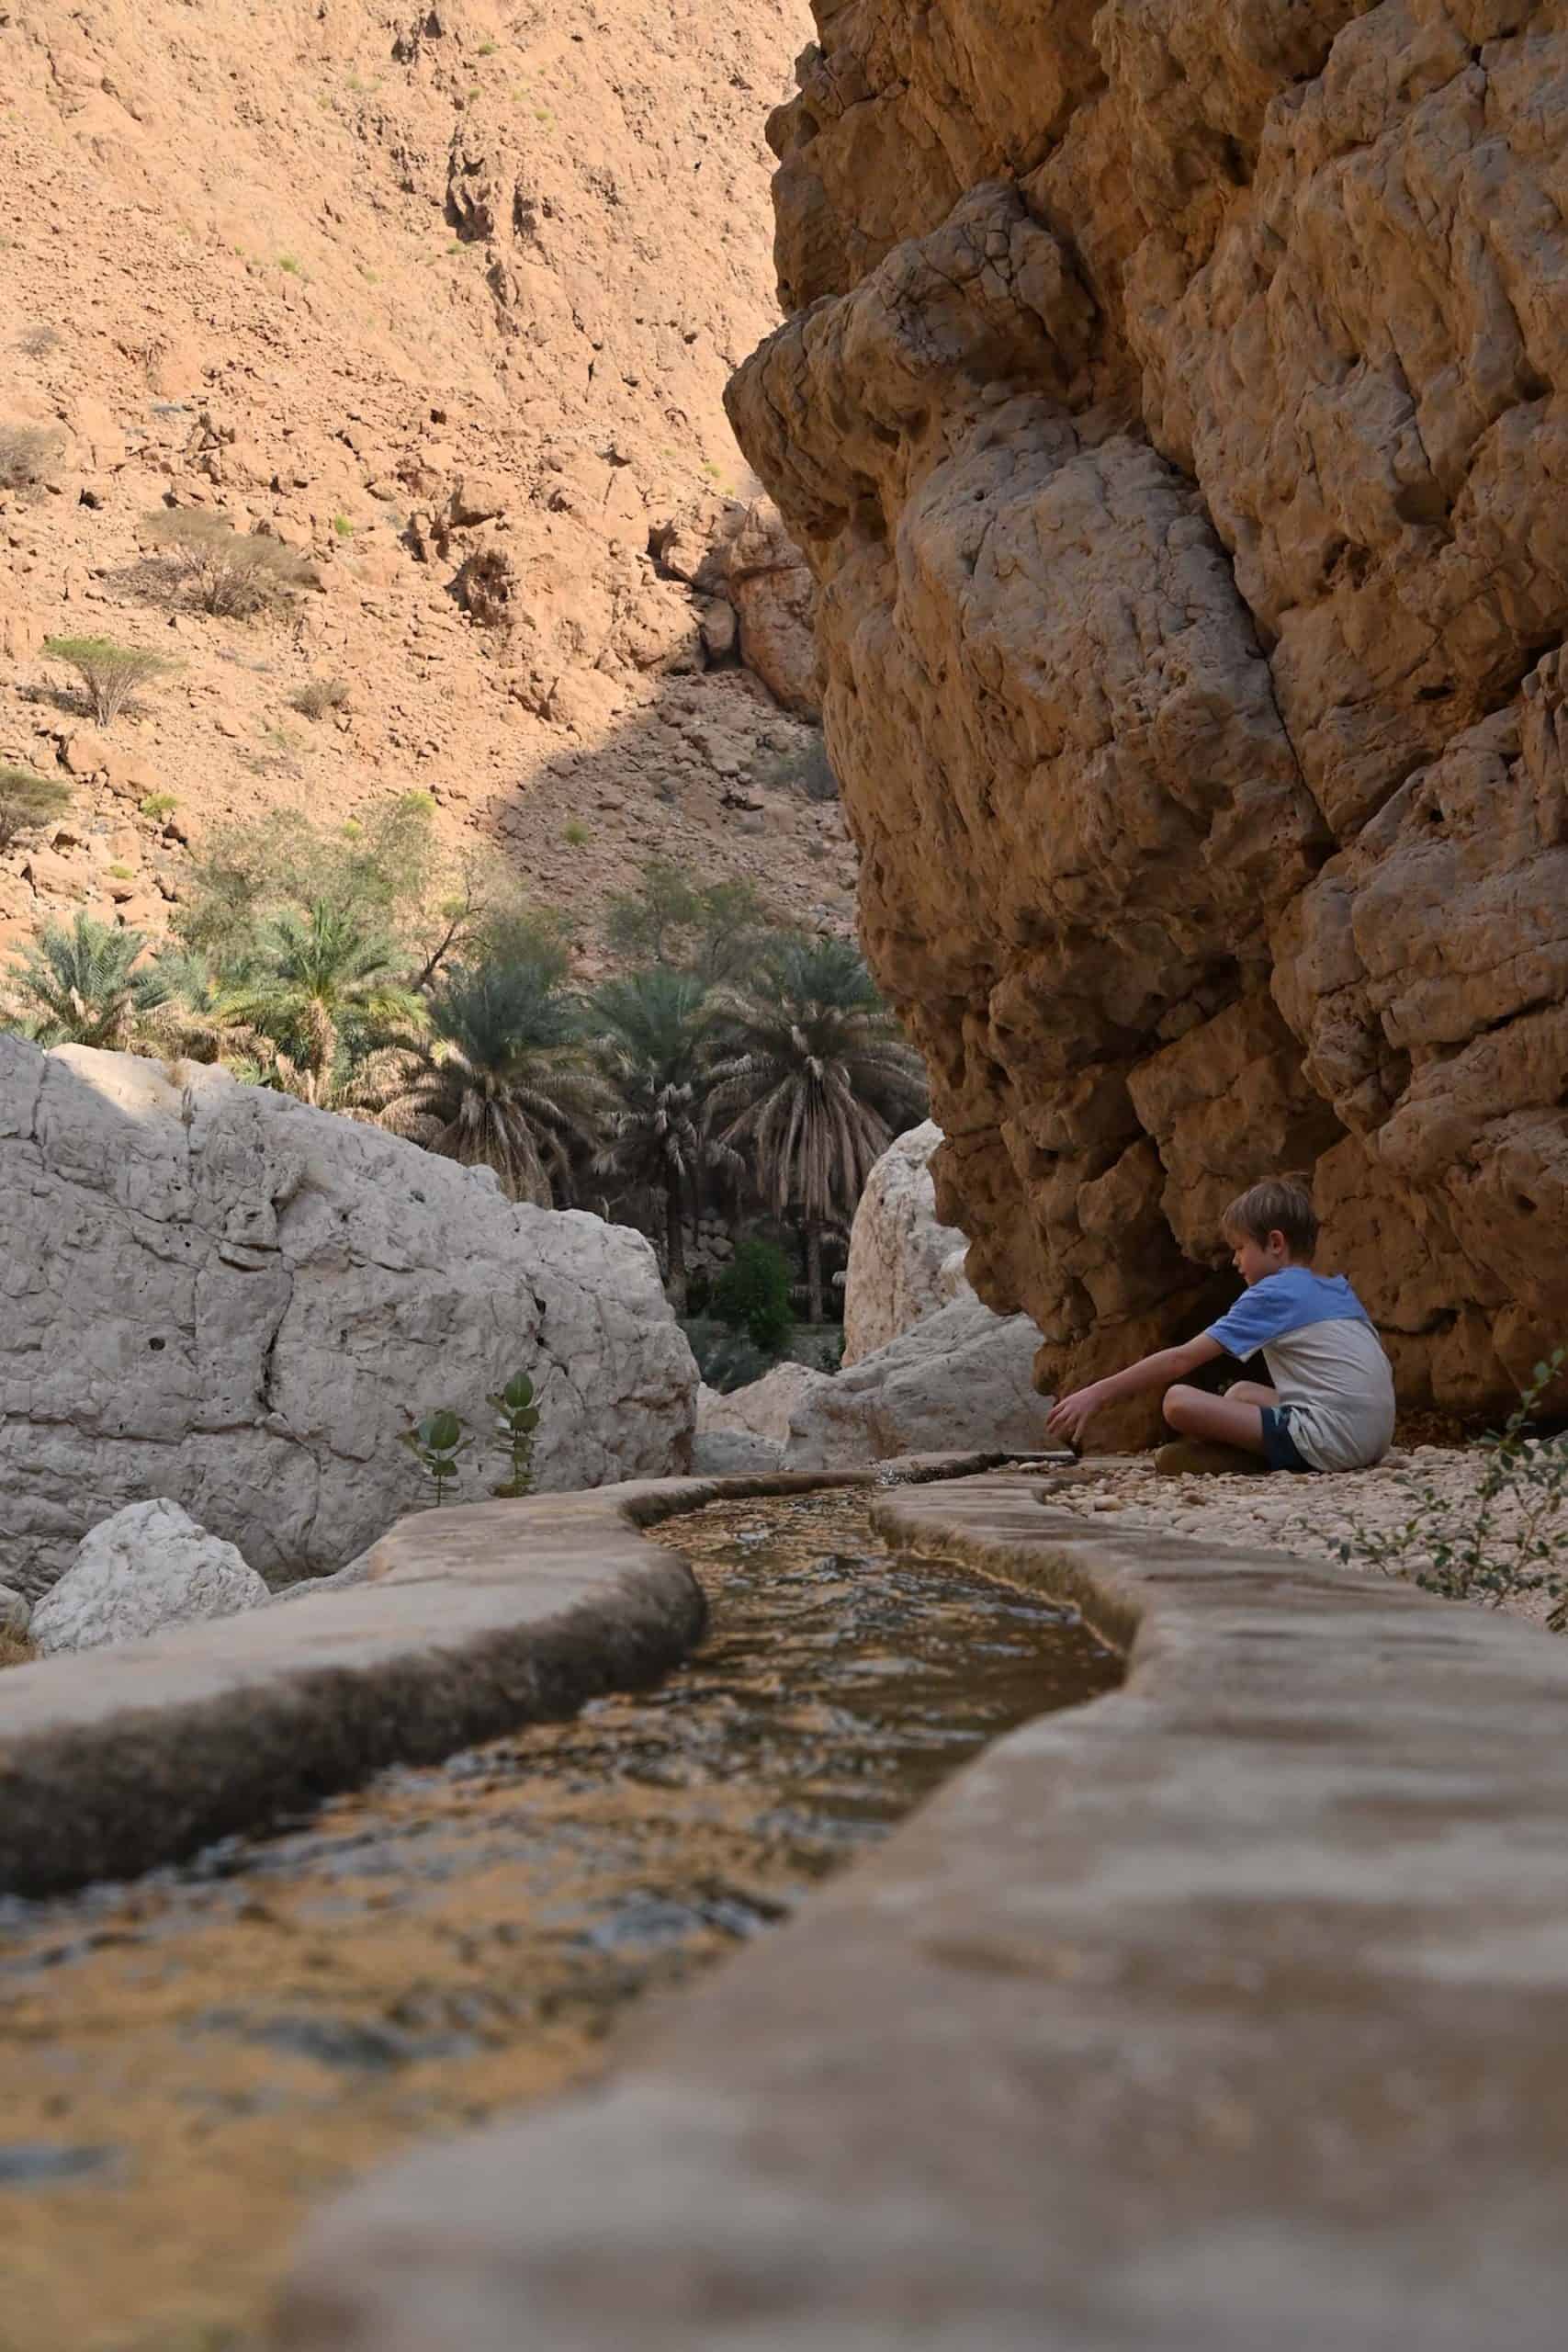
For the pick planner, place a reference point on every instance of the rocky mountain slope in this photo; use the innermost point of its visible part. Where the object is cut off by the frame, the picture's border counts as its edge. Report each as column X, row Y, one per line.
column 1174, row 417
column 445, row 298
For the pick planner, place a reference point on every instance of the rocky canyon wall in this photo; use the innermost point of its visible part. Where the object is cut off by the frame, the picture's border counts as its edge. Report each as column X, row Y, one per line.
column 1174, row 410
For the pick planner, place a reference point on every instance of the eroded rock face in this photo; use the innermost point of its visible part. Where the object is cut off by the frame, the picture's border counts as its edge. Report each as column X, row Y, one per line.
column 904, row 1263
column 214, row 1294
column 961, row 1382
column 1172, row 416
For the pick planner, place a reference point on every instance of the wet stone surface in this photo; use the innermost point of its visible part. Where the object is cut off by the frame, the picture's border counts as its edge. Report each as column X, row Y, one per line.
column 192, row 2063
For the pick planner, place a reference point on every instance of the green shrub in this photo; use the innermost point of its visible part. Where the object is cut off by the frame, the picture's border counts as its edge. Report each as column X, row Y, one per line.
column 110, row 674
column 752, row 1295
column 576, row 835
column 726, row 1358
column 1460, row 1550
column 229, row 574
column 159, row 805
column 28, row 803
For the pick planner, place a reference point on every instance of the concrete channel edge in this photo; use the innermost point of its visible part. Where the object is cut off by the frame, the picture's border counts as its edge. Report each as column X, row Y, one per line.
column 463, row 1626
column 1223, row 2012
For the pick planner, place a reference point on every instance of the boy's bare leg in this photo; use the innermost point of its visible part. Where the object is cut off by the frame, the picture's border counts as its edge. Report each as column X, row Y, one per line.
column 1223, row 1421
column 1251, row 1391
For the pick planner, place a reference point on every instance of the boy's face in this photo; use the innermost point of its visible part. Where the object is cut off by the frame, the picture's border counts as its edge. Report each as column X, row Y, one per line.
column 1253, row 1259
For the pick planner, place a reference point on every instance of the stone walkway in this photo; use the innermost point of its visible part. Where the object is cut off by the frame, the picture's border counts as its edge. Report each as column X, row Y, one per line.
column 1312, row 1519
column 1222, row 2015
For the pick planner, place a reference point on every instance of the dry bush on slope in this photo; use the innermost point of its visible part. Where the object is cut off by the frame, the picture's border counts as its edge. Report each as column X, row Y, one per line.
column 230, row 573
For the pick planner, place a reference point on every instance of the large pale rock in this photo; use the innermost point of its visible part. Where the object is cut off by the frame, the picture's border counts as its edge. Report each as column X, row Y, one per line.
column 151, row 1565
column 904, row 1263
column 215, row 1294
column 961, row 1381
column 762, row 1409
column 1172, row 418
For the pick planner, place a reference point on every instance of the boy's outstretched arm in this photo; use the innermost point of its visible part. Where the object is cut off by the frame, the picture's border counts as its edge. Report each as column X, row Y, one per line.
column 1072, row 1415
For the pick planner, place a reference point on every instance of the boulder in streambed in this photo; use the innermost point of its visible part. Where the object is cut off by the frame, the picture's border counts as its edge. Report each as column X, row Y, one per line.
column 149, row 1566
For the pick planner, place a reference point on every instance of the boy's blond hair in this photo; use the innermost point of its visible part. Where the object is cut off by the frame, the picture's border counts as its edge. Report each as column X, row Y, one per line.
column 1280, row 1205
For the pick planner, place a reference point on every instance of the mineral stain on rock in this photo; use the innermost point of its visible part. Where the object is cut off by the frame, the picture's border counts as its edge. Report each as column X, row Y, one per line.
column 246, row 2033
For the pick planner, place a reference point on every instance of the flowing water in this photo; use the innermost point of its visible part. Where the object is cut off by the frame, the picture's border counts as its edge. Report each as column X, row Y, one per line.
column 192, row 2063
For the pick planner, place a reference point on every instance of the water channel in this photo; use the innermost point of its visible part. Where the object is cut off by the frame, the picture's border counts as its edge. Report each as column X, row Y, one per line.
column 193, row 2062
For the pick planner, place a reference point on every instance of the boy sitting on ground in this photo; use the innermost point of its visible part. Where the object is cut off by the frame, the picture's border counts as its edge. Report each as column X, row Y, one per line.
column 1331, row 1407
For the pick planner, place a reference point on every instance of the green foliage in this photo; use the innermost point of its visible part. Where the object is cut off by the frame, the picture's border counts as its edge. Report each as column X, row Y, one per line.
column 386, row 871
column 504, row 1080
column 232, row 575
column 325, row 984
column 752, row 1295
column 342, row 527
column 28, row 803
column 84, row 987
column 159, row 805
column 576, row 835
column 1504, row 1542
column 817, row 1081
column 714, row 928
column 654, row 1034
column 110, row 674
column 726, row 1358
column 437, row 1444
column 517, row 1418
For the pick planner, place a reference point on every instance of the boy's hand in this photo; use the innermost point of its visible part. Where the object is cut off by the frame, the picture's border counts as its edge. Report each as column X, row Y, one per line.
column 1072, row 1415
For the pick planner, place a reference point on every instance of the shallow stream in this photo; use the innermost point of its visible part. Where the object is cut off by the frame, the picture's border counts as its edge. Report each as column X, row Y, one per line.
column 192, row 2063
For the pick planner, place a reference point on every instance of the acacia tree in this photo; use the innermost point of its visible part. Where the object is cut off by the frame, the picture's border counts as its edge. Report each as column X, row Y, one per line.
column 504, row 1080
column 815, row 1083
column 656, row 1042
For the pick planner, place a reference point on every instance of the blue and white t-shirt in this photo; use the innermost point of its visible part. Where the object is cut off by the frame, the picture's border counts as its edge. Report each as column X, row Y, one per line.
column 1325, row 1360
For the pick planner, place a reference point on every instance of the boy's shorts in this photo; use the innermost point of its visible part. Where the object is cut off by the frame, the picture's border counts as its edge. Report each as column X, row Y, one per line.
column 1280, row 1448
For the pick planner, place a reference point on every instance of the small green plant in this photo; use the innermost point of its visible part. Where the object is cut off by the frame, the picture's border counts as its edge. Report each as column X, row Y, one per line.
column 123, row 873
column 289, row 266
column 28, row 803
column 342, row 527
column 576, row 835
column 752, row 1295
column 110, row 674
column 487, row 48
column 1504, row 1542
column 437, row 1444
column 159, row 805
column 517, row 1419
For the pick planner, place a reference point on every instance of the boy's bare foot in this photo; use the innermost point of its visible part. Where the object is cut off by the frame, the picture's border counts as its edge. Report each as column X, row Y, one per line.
column 1196, row 1457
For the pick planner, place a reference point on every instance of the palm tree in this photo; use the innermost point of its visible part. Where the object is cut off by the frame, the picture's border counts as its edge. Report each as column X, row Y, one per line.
column 324, row 988
column 656, row 1044
column 817, row 1083
column 81, row 987
column 504, row 1080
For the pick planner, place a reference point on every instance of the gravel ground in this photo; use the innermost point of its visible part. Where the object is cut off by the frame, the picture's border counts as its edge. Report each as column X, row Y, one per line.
column 1309, row 1517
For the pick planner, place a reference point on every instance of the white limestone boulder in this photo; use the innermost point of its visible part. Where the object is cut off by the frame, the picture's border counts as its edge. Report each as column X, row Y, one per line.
column 151, row 1565
column 961, row 1381
column 216, row 1294
column 903, row 1265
